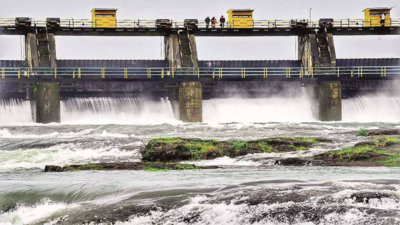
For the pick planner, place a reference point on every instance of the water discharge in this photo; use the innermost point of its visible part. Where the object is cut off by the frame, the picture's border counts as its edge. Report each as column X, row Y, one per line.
column 377, row 108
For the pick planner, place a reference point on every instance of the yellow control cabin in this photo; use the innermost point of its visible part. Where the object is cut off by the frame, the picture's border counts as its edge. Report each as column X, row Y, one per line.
column 104, row 18
column 377, row 17
column 240, row 18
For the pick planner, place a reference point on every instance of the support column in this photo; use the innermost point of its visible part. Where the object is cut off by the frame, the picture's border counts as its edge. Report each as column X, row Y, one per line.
column 330, row 101
column 31, row 50
column 180, row 49
column 191, row 101
column 48, row 102
column 317, row 50
column 172, row 51
column 52, row 48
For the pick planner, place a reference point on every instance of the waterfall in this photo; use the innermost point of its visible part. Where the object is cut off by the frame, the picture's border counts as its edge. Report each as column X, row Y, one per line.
column 377, row 108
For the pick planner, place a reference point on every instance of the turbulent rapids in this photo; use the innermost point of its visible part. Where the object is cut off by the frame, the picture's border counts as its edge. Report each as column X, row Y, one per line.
column 249, row 189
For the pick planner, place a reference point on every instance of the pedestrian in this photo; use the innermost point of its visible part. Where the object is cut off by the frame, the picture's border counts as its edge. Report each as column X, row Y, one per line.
column 222, row 21
column 213, row 22
column 207, row 22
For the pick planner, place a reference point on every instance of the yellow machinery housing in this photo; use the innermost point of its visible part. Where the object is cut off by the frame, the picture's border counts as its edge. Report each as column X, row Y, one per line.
column 377, row 17
column 104, row 18
column 240, row 18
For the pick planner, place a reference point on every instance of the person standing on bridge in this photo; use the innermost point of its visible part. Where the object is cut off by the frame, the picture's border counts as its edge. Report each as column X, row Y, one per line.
column 222, row 21
column 207, row 22
column 213, row 22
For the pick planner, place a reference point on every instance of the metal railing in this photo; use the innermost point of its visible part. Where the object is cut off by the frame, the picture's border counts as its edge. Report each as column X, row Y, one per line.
column 210, row 72
column 263, row 24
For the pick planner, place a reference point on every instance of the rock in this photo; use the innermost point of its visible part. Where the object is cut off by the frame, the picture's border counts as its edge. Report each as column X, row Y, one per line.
column 150, row 166
column 299, row 162
column 367, row 196
column 180, row 149
column 51, row 168
column 378, row 132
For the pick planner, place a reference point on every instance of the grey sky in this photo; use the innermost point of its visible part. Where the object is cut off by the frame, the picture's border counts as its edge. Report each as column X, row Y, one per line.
column 209, row 48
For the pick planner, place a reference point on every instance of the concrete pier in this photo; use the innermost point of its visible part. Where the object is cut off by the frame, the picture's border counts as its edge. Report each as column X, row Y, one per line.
column 181, row 50
column 48, row 102
column 330, row 101
column 191, row 101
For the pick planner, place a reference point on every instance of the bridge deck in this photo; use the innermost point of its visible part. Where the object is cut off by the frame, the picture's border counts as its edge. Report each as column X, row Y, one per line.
column 84, row 27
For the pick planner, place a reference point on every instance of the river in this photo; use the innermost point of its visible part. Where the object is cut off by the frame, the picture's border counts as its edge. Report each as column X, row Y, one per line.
column 246, row 190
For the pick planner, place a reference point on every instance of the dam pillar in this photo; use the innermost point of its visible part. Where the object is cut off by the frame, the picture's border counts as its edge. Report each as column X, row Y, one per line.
column 191, row 101
column 48, row 102
column 329, row 101
column 316, row 50
column 40, row 49
column 181, row 50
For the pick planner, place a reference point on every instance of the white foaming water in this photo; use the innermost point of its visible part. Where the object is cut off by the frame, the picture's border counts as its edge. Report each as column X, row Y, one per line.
column 258, row 110
column 145, row 111
column 62, row 154
column 24, row 214
column 377, row 108
column 15, row 111
column 116, row 111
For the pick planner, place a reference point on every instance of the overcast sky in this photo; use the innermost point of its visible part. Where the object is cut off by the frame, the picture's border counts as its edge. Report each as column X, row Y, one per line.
column 208, row 48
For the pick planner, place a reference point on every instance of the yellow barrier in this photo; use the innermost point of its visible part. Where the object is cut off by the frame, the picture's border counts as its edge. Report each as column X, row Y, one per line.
column 148, row 72
column 3, row 73
column 265, row 73
column 338, row 72
column 125, row 73
column 243, row 73
column 360, row 72
column 352, row 73
column 19, row 73
column 287, row 72
column 220, row 72
column 79, row 73
column 73, row 75
column 103, row 73
column 213, row 76
column 55, row 72
column 198, row 72
column 173, row 73
column 29, row 72
column 383, row 71
column 162, row 73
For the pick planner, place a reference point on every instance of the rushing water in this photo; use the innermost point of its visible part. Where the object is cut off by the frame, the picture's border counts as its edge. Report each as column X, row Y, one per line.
column 246, row 190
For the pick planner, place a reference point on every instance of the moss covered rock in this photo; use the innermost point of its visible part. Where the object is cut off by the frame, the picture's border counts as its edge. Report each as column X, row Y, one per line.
column 383, row 151
column 179, row 149
column 148, row 166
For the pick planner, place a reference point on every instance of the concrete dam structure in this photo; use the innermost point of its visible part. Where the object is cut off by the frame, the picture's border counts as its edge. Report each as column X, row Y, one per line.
column 44, row 79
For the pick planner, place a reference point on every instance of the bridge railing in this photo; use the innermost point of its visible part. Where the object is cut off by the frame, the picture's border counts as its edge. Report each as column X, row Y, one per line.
column 261, row 24
column 211, row 72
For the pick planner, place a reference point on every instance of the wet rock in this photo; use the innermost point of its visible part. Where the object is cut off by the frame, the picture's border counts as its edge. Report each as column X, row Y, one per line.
column 179, row 149
column 53, row 168
column 380, row 132
column 150, row 166
column 367, row 196
column 299, row 162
